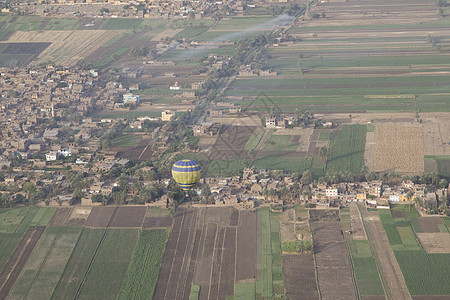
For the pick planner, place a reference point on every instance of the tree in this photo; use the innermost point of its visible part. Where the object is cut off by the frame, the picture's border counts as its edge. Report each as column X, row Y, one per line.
column 29, row 188
column 442, row 3
column 443, row 183
column 306, row 177
column 323, row 153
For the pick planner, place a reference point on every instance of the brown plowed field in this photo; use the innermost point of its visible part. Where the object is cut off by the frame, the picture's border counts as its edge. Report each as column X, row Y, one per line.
column 334, row 270
column 201, row 250
column 231, row 142
column 429, row 224
column 100, row 216
column 299, row 268
column 18, row 259
column 61, row 216
column 132, row 216
column 246, row 245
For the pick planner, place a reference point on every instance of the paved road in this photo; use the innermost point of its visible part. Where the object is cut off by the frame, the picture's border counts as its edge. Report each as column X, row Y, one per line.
column 393, row 281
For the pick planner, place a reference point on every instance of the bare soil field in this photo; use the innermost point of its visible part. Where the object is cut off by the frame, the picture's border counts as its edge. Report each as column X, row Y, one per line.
column 300, row 276
column 231, row 142
column 25, row 48
column 287, row 226
column 132, row 216
column 358, row 232
column 156, row 219
column 438, row 242
column 100, row 216
column 210, row 247
column 67, row 47
column 399, row 148
column 436, row 138
column 78, row 216
column 334, row 270
column 17, row 260
column 429, row 224
column 166, row 33
column 246, row 246
column 61, row 216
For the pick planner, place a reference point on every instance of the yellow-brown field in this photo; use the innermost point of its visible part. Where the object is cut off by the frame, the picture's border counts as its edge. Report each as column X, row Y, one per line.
column 67, row 47
column 399, row 148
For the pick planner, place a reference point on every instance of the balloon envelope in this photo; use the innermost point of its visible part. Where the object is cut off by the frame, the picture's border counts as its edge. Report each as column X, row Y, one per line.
column 186, row 173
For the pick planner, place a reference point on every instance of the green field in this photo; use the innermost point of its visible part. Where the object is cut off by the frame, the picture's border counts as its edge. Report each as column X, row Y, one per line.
column 324, row 136
column 143, row 270
column 110, row 264
column 43, row 216
column 11, row 239
column 425, row 274
column 276, row 162
column 254, row 139
column 347, row 147
column 121, row 24
column 390, row 227
column 365, row 270
column 78, row 264
column 44, row 267
column 10, row 219
column 280, row 143
column 63, row 24
column 272, row 278
column 128, row 140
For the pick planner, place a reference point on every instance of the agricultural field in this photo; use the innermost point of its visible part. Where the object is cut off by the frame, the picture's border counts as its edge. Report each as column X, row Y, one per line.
column 424, row 272
column 40, row 274
column 219, row 253
column 347, row 149
column 368, row 281
column 331, row 256
column 399, row 148
column 359, row 58
column 62, row 49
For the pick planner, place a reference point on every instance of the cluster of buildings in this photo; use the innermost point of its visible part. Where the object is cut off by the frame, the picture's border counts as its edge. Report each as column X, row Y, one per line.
column 141, row 9
column 261, row 185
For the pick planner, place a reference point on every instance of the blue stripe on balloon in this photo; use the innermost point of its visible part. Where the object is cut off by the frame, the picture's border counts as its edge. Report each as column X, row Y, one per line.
column 193, row 169
column 186, row 163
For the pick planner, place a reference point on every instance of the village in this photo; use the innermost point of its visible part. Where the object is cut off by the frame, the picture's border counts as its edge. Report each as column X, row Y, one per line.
column 137, row 9
column 54, row 153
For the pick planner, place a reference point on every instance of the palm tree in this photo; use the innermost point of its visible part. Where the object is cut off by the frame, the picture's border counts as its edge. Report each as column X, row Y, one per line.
column 323, row 153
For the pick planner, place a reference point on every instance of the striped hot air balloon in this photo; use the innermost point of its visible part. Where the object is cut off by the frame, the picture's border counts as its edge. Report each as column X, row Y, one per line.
column 186, row 173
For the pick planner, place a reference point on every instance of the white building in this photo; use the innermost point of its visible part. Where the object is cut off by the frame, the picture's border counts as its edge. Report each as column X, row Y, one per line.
column 51, row 156
column 331, row 192
column 130, row 98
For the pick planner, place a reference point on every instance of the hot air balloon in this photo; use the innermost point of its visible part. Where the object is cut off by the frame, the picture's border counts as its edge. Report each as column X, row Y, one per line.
column 186, row 173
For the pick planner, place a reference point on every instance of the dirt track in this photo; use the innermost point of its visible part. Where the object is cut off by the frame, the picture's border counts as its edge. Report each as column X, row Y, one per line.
column 394, row 283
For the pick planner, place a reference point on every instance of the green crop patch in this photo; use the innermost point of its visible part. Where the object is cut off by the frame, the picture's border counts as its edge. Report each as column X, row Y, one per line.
column 44, row 267
column 121, row 24
column 43, row 216
column 127, row 140
column 78, row 264
column 367, row 278
column 324, row 135
column 110, row 264
column 244, row 291
column 347, row 149
column 143, row 271
column 407, row 235
column 253, row 141
column 424, row 274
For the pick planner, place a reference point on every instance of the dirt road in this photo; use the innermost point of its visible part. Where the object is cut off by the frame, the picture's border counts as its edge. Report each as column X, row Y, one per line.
column 392, row 277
